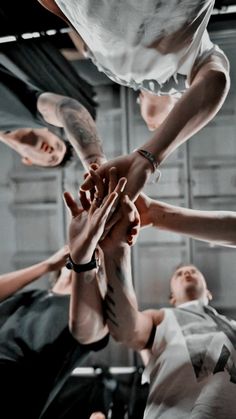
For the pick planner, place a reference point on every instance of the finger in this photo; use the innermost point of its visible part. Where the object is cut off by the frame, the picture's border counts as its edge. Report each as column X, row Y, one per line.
column 128, row 209
column 109, row 206
column 121, row 185
column 87, row 184
column 112, row 179
column 98, row 182
column 71, row 204
column 85, row 202
column 85, row 175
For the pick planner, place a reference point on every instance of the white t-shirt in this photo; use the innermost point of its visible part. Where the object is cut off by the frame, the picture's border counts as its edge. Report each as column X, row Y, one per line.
column 120, row 36
column 192, row 371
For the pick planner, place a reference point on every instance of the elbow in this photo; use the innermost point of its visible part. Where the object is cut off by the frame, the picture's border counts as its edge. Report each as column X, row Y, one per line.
column 217, row 87
column 130, row 340
column 74, row 331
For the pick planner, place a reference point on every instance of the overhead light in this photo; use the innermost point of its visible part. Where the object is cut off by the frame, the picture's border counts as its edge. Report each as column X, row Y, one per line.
column 224, row 10
column 4, row 39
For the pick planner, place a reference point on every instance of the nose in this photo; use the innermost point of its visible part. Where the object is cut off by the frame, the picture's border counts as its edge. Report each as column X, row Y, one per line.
column 187, row 272
column 46, row 147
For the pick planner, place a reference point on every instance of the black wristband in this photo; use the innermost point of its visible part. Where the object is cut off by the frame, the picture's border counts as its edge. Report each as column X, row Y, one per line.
column 83, row 267
column 150, row 157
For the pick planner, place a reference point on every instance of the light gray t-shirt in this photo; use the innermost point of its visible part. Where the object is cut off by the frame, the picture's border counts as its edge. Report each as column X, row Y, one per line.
column 123, row 39
column 192, row 371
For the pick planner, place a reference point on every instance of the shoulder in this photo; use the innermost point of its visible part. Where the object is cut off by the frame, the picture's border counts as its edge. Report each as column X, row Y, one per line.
column 156, row 316
column 213, row 60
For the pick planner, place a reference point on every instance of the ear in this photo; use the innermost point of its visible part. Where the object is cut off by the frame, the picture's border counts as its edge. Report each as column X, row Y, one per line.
column 209, row 295
column 26, row 161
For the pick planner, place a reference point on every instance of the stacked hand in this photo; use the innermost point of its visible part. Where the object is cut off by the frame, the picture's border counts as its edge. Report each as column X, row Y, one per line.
column 87, row 227
column 134, row 167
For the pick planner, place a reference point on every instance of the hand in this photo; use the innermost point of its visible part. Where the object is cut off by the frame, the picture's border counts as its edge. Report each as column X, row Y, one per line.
column 86, row 228
column 143, row 203
column 58, row 259
column 133, row 166
column 125, row 231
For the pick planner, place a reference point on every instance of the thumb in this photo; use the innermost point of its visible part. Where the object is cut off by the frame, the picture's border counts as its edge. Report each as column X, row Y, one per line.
column 72, row 204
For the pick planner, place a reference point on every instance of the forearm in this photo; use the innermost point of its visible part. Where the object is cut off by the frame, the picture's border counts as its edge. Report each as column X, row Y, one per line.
column 86, row 320
column 78, row 124
column 123, row 317
column 193, row 111
column 14, row 281
column 218, row 227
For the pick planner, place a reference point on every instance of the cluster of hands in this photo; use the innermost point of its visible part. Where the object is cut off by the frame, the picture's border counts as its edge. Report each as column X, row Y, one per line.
column 106, row 217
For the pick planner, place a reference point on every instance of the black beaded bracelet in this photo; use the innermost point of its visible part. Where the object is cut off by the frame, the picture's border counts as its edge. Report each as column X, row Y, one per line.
column 150, row 157
column 83, row 267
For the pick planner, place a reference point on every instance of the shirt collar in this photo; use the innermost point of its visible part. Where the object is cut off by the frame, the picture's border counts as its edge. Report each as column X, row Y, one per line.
column 193, row 302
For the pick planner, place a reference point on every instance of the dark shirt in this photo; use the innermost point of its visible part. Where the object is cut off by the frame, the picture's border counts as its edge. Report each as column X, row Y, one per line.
column 18, row 105
column 37, row 351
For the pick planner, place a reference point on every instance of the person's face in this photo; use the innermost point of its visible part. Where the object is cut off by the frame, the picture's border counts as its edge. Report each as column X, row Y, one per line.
column 188, row 284
column 36, row 146
column 154, row 109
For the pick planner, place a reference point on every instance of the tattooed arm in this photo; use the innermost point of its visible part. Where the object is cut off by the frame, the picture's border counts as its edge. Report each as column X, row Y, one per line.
column 125, row 322
column 78, row 124
column 86, row 321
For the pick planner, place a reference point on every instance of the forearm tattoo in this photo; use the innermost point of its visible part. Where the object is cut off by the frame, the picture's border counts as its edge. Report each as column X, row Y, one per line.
column 109, row 313
column 110, row 302
column 80, row 127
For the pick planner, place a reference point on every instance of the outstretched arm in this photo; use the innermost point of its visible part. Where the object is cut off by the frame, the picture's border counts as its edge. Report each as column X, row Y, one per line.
column 14, row 281
column 78, row 124
column 198, row 105
column 86, row 320
column 126, row 323
column 218, row 227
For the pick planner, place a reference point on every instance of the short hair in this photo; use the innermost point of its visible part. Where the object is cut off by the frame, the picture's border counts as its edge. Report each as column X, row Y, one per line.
column 68, row 156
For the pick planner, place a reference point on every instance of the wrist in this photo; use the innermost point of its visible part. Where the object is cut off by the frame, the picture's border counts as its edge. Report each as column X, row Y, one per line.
column 143, row 162
column 82, row 267
column 149, row 157
column 118, row 252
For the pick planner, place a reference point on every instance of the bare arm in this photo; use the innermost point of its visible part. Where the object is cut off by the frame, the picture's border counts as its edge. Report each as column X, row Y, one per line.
column 217, row 227
column 14, row 281
column 199, row 104
column 126, row 323
column 86, row 320
column 78, row 124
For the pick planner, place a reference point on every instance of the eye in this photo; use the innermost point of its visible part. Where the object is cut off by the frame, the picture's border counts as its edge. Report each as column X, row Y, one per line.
column 179, row 273
column 193, row 271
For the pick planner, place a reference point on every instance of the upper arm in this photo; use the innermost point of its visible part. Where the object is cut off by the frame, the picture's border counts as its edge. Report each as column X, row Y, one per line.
column 51, row 107
column 215, row 63
column 143, row 332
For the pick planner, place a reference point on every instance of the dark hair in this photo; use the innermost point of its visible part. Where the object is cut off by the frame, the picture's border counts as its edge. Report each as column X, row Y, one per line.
column 68, row 156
